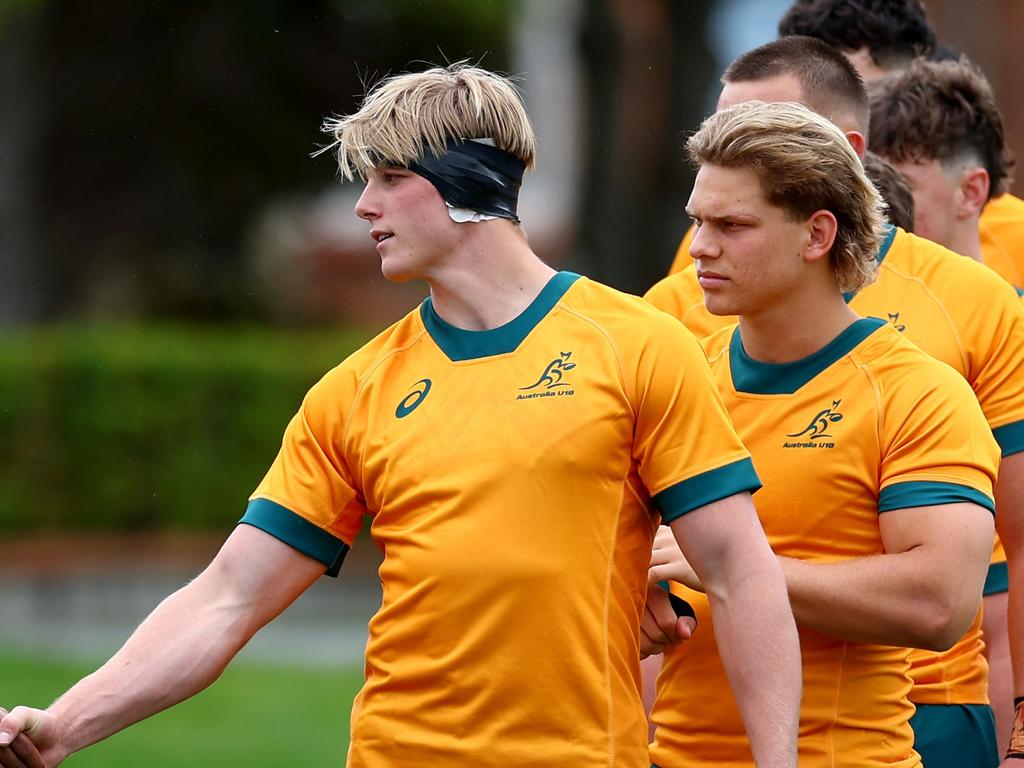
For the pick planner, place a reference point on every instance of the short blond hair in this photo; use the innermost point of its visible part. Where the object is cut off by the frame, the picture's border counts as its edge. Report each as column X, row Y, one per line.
column 805, row 164
column 406, row 114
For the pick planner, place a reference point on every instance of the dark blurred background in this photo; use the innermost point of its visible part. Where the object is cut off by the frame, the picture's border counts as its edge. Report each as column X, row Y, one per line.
column 176, row 268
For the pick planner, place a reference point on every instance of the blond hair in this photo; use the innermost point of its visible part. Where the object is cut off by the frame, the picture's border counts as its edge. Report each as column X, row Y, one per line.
column 805, row 164
column 407, row 114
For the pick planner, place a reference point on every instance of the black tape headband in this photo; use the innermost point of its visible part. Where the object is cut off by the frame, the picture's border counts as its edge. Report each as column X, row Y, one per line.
column 475, row 176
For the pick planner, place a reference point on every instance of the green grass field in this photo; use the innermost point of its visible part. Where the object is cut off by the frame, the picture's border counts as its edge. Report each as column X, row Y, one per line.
column 253, row 716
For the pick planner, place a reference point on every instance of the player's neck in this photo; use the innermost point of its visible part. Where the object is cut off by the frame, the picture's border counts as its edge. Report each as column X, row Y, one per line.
column 490, row 281
column 792, row 330
column 966, row 239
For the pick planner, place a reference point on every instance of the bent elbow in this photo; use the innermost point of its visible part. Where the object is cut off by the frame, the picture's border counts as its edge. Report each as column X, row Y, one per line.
column 946, row 624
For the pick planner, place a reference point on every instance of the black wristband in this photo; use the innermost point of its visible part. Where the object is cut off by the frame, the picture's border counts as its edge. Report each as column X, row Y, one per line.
column 681, row 607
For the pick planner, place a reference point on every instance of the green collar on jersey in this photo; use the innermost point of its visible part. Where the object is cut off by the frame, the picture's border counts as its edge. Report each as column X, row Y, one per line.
column 757, row 378
column 459, row 344
column 890, row 235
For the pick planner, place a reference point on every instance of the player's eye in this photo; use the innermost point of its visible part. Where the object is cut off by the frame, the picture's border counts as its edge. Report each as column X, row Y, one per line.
column 391, row 175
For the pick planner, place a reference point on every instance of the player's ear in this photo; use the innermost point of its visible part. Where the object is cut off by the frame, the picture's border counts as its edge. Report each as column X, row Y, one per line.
column 821, row 229
column 972, row 193
column 856, row 139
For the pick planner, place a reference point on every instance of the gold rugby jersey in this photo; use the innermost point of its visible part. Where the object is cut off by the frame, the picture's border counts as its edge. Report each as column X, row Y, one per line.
column 1001, row 227
column 867, row 425
column 961, row 313
column 513, row 479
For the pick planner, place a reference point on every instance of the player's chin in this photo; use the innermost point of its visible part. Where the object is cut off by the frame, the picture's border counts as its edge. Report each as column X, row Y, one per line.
column 395, row 271
column 720, row 305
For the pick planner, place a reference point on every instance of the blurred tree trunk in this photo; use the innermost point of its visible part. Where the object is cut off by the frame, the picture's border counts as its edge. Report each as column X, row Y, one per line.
column 21, row 295
column 648, row 68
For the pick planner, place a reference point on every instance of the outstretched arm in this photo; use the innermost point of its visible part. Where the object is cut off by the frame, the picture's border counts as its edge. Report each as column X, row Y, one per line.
column 754, row 626
column 182, row 647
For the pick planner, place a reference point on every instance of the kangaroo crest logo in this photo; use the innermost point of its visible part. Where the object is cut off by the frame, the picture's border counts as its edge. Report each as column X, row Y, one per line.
column 413, row 399
column 818, row 428
column 552, row 376
column 894, row 320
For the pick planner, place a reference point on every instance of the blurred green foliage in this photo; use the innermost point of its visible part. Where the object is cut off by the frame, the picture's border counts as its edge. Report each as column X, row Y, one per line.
column 147, row 427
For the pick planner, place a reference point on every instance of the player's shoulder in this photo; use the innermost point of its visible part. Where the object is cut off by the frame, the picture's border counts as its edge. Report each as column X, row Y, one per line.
column 347, row 376
column 615, row 309
column 962, row 285
column 939, row 267
column 630, row 322
column 899, row 368
column 676, row 292
column 1005, row 211
column 716, row 345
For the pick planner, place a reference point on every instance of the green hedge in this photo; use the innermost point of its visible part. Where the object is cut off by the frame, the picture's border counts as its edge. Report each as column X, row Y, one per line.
column 147, row 428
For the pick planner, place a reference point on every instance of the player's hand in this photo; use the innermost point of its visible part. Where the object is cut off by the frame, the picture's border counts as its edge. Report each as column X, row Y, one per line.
column 28, row 739
column 668, row 563
column 661, row 625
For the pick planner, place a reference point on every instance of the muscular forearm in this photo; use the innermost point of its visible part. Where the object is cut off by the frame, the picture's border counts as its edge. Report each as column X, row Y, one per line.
column 896, row 599
column 758, row 643
column 182, row 647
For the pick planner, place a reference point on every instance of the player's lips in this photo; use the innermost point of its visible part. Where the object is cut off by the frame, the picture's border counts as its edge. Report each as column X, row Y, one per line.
column 711, row 279
column 380, row 235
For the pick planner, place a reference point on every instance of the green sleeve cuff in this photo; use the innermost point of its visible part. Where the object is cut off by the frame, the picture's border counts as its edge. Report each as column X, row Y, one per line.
column 997, row 580
column 1010, row 438
column 928, row 494
column 297, row 532
column 681, row 498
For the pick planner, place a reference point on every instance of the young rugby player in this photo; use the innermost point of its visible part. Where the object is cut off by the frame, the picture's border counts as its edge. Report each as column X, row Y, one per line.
column 878, row 463
column 893, row 33
column 939, row 124
column 950, row 306
column 514, row 440
column 880, row 37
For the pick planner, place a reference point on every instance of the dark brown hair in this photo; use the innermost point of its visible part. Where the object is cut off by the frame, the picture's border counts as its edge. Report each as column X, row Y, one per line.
column 829, row 82
column 893, row 31
column 941, row 110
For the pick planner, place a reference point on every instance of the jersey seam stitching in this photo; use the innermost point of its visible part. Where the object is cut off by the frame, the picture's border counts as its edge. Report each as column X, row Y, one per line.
column 364, row 380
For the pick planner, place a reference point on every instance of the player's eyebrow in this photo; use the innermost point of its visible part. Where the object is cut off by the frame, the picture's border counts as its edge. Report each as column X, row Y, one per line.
column 748, row 218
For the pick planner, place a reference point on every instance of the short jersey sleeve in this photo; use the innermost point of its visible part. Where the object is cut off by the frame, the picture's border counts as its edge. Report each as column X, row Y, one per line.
column 685, row 445
column 996, row 363
column 936, row 445
column 309, row 498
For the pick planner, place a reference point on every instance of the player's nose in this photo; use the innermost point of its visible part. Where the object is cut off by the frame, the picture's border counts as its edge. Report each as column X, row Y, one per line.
column 702, row 244
column 366, row 206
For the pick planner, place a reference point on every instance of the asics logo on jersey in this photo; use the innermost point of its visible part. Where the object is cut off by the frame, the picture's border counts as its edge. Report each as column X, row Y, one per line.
column 894, row 321
column 552, row 376
column 817, row 430
column 413, row 399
